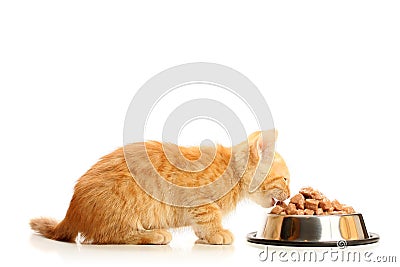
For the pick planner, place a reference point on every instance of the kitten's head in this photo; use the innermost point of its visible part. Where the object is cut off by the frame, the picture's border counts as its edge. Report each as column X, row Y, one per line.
column 275, row 186
column 267, row 184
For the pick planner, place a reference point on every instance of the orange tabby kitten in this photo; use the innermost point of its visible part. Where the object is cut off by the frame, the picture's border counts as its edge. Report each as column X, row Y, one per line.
column 109, row 207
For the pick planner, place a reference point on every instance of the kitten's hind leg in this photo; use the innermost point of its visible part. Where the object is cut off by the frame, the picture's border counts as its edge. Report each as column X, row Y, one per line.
column 148, row 237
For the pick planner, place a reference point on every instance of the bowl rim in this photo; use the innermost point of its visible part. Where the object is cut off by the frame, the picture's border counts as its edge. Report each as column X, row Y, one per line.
column 308, row 216
column 252, row 238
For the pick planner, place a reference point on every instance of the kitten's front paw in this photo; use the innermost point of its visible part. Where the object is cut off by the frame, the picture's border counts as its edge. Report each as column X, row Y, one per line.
column 222, row 237
column 164, row 237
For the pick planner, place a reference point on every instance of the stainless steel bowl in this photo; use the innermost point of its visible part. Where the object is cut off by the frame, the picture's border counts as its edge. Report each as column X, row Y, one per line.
column 305, row 230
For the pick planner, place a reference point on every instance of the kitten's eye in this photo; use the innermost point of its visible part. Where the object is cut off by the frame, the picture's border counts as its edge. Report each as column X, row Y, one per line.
column 285, row 179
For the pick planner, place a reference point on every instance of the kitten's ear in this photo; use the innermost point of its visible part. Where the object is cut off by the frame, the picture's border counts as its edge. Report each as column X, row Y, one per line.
column 262, row 143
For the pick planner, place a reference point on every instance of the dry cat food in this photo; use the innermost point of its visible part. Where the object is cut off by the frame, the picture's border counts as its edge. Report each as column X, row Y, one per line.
column 311, row 202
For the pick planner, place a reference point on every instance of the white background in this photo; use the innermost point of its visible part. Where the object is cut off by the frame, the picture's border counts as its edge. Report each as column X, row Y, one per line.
column 330, row 72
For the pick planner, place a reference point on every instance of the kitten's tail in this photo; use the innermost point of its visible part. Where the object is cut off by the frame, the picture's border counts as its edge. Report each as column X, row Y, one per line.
column 51, row 229
column 44, row 226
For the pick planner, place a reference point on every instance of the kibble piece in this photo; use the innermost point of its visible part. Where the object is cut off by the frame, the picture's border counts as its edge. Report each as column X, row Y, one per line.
column 277, row 210
column 316, row 195
column 348, row 209
column 325, row 204
column 300, row 212
column 282, row 204
column 306, row 191
column 319, row 211
column 311, row 204
column 297, row 198
column 331, row 209
column 300, row 205
column 291, row 209
column 308, row 212
column 336, row 205
column 283, row 213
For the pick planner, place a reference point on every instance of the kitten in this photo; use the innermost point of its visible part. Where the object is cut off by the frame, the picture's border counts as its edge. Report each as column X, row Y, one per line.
column 109, row 207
